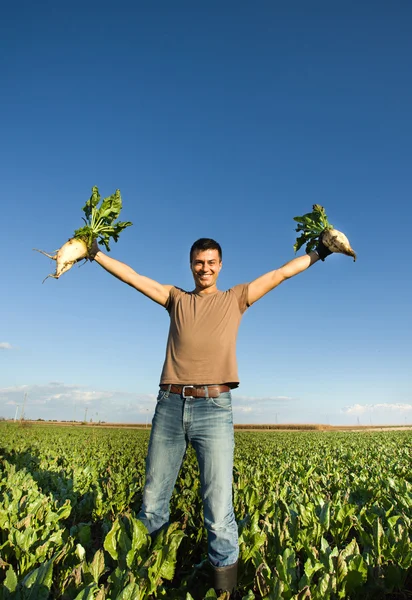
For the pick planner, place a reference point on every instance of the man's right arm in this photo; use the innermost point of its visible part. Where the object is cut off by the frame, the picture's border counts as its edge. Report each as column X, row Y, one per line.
column 150, row 288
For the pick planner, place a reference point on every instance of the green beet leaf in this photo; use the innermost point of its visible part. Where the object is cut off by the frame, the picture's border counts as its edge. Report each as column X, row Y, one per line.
column 131, row 592
column 97, row 566
column 38, row 582
column 110, row 543
column 88, row 593
column 10, row 582
column 100, row 220
column 311, row 224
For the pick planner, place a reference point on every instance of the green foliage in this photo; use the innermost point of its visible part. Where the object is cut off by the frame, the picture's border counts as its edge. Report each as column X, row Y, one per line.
column 100, row 221
column 311, row 225
column 321, row 515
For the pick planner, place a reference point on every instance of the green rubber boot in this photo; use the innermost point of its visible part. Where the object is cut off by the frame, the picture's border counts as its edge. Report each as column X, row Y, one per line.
column 225, row 578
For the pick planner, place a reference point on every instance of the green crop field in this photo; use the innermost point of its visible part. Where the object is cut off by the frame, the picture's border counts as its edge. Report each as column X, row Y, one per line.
column 321, row 515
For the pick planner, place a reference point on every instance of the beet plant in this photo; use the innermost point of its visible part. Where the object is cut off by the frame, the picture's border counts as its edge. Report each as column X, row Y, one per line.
column 100, row 225
column 314, row 227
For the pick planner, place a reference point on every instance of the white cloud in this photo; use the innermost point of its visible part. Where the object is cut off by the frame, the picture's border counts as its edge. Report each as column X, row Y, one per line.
column 257, row 399
column 60, row 401
column 360, row 409
column 81, row 395
column 5, row 346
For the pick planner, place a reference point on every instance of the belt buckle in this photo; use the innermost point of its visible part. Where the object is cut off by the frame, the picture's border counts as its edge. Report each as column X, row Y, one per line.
column 184, row 391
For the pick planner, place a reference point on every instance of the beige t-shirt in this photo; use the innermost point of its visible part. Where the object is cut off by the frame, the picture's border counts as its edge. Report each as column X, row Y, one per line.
column 201, row 347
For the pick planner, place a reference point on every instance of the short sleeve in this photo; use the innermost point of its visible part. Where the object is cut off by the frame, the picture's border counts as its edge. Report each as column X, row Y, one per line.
column 170, row 299
column 173, row 294
column 241, row 293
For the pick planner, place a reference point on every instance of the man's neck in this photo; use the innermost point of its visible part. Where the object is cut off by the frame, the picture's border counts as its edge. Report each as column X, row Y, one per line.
column 206, row 291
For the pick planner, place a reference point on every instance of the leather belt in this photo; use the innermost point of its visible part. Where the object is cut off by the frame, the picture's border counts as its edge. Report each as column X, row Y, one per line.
column 196, row 391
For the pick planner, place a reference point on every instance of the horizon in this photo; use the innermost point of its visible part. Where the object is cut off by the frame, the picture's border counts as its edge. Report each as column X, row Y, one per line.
column 241, row 426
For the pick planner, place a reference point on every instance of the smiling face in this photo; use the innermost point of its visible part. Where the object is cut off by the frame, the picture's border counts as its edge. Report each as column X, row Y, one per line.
column 205, row 266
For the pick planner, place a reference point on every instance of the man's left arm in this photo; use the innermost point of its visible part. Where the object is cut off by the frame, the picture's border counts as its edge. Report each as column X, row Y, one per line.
column 264, row 284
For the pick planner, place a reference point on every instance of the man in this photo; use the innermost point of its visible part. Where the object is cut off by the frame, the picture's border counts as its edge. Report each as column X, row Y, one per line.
column 194, row 401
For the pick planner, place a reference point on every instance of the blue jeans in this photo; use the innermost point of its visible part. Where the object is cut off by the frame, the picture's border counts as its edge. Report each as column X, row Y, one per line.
column 207, row 424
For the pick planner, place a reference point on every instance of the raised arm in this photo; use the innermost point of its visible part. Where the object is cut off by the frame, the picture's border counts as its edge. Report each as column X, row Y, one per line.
column 150, row 288
column 264, row 284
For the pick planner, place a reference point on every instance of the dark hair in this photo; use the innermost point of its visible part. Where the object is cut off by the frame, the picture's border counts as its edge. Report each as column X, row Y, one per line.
column 205, row 244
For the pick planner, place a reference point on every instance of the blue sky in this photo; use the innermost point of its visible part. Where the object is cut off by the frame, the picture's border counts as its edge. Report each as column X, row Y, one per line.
column 221, row 120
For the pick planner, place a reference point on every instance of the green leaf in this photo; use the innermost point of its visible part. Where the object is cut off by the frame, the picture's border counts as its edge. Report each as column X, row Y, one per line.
column 286, row 568
column 406, row 560
column 168, row 566
column 311, row 224
column 110, row 543
column 311, row 246
column 323, row 587
column 97, row 567
column 80, row 552
column 123, row 543
column 39, row 582
column 64, row 511
column 141, row 541
column 10, row 581
column 341, row 568
column 84, row 534
column 311, row 567
column 88, row 593
column 91, row 203
column 253, row 544
column 118, row 580
column 162, row 562
column 251, row 596
column 100, row 223
column 325, row 516
column 357, row 573
column 131, row 592
column 351, row 549
column 299, row 242
column 393, row 520
column 378, row 535
column 111, row 207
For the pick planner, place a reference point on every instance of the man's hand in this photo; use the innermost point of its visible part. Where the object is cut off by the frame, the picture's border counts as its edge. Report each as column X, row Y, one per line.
column 93, row 250
column 321, row 250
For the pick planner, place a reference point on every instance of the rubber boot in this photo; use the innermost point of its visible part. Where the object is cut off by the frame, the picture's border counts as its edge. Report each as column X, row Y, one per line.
column 225, row 578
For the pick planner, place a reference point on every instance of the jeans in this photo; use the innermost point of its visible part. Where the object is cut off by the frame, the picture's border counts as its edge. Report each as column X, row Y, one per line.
column 207, row 424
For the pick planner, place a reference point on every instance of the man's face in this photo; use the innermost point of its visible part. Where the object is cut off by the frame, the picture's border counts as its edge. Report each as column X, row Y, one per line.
column 205, row 266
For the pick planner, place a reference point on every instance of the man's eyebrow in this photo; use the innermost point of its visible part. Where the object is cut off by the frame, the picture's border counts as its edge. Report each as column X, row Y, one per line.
column 209, row 261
